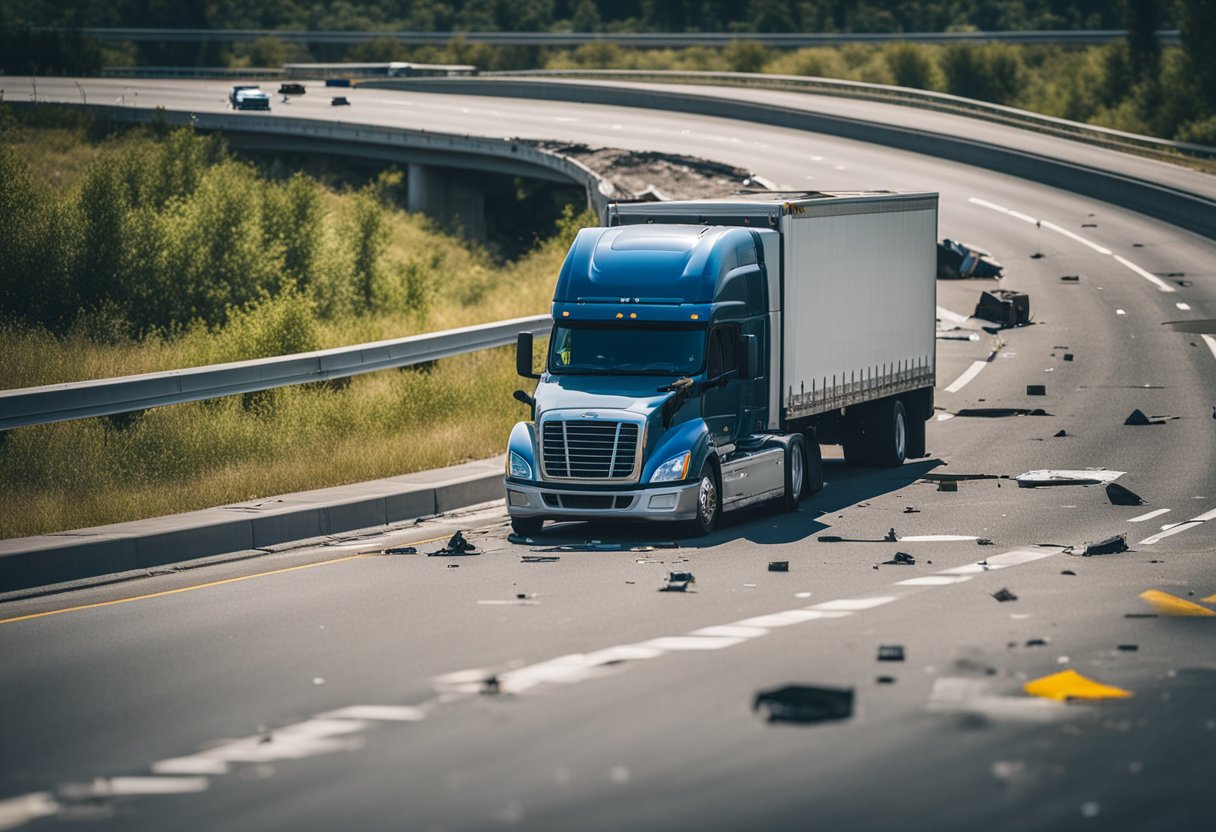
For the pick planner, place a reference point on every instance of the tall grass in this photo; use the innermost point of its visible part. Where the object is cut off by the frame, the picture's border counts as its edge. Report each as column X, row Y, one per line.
column 373, row 272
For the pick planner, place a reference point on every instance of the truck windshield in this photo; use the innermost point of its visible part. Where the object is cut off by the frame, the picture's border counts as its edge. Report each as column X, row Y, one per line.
column 618, row 349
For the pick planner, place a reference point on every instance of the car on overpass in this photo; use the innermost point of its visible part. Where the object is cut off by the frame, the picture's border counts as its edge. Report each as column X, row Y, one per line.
column 245, row 97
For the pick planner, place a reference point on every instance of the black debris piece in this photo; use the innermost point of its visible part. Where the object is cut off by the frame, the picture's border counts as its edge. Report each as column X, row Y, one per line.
column 778, row 566
column 1120, row 496
column 1068, row 356
column 399, row 550
column 1038, row 255
column 958, row 261
column 539, row 559
column 960, row 477
column 456, row 545
column 1060, row 432
column 519, row 539
column 1070, row 278
column 890, row 652
column 687, row 577
column 885, row 680
column 1138, row 417
column 1004, row 595
column 1156, row 561
column 911, row 510
column 453, row 566
column 1068, row 572
column 1089, row 225
column 1129, row 648
column 901, row 559
column 947, row 485
column 678, row 582
column 1139, row 615
column 1109, row 546
column 833, row 538
column 984, row 541
column 1036, row 642
column 490, row 686
column 891, row 536
column 805, row 704
column 1000, row 412
column 1036, row 390
column 1004, row 307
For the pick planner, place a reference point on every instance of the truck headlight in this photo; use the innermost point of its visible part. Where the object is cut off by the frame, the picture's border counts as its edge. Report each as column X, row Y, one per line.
column 518, row 467
column 673, row 469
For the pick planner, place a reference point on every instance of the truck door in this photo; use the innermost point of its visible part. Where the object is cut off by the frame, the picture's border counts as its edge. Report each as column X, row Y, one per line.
column 722, row 403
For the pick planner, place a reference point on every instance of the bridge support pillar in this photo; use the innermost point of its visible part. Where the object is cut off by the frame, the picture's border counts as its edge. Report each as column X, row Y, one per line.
column 452, row 198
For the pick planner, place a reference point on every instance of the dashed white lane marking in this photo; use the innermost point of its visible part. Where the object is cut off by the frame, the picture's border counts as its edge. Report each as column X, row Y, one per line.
column 935, row 580
column 970, row 373
column 18, row 811
column 1211, row 342
column 942, row 417
column 1150, row 277
column 937, row 538
column 785, row 619
column 103, row 787
column 1180, row 527
column 377, row 713
column 854, row 604
column 1149, row 516
column 1185, row 307
column 677, row 643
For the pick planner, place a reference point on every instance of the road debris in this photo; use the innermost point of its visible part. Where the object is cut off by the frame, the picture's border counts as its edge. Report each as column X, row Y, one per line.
column 1068, row 356
column 885, row 680
column 539, row 559
column 520, row 540
column 891, row 536
column 984, row 541
column 678, row 582
column 1166, row 604
column 1120, row 496
column 1004, row 307
column 1061, row 432
column 901, row 559
column 1070, row 278
column 1004, row 595
column 959, row 261
column 1068, row 685
column 1000, row 412
column 1068, row 572
column 1036, row 390
column 1109, row 546
column 805, row 704
column 891, row 653
column 1128, row 648
column 911, row 510
column 1034, row 479
column 947, row 485
column 778, row 566
column 399, row 550
column 1037, row 642
column 1138, row 417
column 456, row 546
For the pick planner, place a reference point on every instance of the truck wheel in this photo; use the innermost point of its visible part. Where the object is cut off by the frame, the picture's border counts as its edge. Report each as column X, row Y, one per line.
column 889, row 436
column 814, row 463
column 795, row 473
column 857, row 445
column 916, row 422
column 709, row 502
column 527, row 526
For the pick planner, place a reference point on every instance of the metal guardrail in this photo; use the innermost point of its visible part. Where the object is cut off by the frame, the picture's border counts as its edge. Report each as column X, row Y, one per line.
column 109, row 397
column 793, row 40
column 926, row 99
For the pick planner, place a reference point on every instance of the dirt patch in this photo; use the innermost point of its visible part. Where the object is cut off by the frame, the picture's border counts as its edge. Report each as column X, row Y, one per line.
column 659, row 176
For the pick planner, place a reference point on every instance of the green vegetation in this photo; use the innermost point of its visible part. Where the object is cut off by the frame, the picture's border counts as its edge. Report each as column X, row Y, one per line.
column 153, row 249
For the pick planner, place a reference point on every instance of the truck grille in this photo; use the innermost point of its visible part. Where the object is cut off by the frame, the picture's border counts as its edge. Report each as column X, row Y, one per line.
column 589, row 450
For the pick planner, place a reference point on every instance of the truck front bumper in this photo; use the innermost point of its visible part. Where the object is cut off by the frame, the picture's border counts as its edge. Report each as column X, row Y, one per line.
column 550, row 502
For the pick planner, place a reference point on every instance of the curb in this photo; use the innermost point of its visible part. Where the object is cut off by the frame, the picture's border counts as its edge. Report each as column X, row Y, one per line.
column 30, row 562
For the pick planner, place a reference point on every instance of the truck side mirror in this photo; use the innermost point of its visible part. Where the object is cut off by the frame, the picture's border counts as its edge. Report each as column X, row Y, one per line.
column 523, row 355
column 749, row 358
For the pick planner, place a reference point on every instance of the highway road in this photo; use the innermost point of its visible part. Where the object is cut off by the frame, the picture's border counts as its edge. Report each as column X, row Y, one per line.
column 338, row 688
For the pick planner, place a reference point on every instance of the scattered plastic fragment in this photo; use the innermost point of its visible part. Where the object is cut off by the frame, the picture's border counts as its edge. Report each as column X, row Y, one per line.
column 1068, row 572
column 1109, row 546
column 1060, row 432
column 891, row 536
column 1004, row 595
column 901, row 559
column 1004, row 307
column 678, row 582
column 453, row 566
column 947, row 485
column 804, row 704
column 911, row 510
column 1138, row 417
column 1068, row 356
column 1069, row 684
column 1129, row 648
column 1034, row 479
column 399, row 550
column 984, row 541
column 885, row 680
column 1036, row 390
column 1036, row 642
column 891, row 653
column 1166, row 604
column 778, row 566
column 519, row 539
column 1000, row 412
column 539, row 559
column 1070, row 278
column 456, row 545
column 1120, row 496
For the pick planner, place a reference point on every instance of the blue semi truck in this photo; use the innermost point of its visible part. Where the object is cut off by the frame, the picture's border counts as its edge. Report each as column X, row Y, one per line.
column 702, row 351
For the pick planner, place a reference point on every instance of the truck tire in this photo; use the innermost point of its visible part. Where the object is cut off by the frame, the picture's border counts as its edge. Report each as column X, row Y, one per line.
column 857, row 446
column 916, row 421
column 814, row 463
column 795, row 473
column 709, row 501
column 527, row 526
column 888, row 433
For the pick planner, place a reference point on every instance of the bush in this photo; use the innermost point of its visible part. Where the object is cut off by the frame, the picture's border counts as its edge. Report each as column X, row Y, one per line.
column 913, row 65
column 992, row 72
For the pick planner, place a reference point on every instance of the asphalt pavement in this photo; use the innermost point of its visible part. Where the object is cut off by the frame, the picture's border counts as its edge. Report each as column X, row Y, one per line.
column 337, row 687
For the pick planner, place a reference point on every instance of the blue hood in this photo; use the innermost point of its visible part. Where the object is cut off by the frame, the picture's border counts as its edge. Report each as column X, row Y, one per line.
column 637, row 394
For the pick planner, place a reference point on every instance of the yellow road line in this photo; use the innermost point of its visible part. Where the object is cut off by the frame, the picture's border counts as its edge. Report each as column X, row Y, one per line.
column 180, row 589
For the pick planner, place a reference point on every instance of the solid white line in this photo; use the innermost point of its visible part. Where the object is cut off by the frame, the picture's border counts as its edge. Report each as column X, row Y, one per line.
column 1181, row 527
column 379, row 713
column 785, row 619
column 970, row 373
column 731, row 631
column 1149, row 516
column 1185, row 307
column 935, row 580
column 983, row 203
column 1211, row 342
column 1023, row 217
column 691, row 642
column 1151, row 278
column 936, row 538
column 854, row 604
column 1077, row 237
column 131, row 786
column 18, row 811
